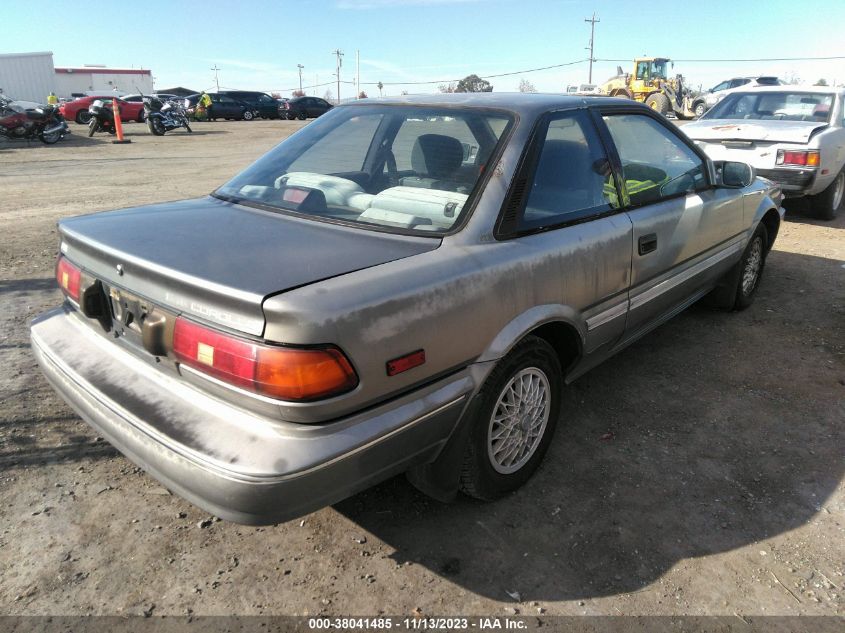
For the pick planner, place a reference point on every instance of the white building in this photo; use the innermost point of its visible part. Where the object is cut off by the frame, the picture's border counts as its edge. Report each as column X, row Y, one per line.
column 71, row 82
column 32, row 76
column 27, row 76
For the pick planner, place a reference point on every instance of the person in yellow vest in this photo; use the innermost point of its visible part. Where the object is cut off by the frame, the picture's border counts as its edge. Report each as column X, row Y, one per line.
column 204, row 107
column 52, row 99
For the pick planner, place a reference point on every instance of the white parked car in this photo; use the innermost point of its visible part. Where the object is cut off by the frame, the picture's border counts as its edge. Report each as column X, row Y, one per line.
column 792, row 135
column 718, row 92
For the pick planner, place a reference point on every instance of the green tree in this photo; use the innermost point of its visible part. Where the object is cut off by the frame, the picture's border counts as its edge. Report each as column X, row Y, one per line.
column 821, row 82
column 473, row 83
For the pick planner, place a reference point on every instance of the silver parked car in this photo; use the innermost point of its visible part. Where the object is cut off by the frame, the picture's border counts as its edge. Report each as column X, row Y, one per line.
column 711, row 97
column 401, row 286
column 792, row 135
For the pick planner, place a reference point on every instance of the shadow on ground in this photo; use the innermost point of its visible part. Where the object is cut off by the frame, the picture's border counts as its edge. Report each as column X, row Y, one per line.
column 718, row 441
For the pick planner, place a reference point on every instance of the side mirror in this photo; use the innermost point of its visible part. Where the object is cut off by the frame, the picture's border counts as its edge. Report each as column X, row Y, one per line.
column 736, row 174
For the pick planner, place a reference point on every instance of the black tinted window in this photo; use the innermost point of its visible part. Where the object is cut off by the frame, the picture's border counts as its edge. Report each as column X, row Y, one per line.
column 572, row 178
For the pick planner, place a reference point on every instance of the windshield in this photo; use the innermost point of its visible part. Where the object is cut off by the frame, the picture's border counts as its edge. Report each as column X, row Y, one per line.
column 404, row 167
column 653, row 69
column 776, row 106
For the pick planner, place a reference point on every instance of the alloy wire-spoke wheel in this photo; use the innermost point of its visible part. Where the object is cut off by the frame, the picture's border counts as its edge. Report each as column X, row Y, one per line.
column 511, row 420
column 519, row 420
column 753, row 265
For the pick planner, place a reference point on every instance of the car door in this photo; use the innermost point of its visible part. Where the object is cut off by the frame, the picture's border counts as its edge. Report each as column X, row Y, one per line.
column 686, row 232
column 569, row 217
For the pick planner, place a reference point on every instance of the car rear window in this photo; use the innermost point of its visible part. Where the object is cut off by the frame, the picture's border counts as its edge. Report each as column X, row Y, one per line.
column 764, row 106
column 408, row 168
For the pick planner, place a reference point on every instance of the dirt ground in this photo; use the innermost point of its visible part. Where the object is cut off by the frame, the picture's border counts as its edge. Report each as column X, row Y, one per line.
column 721, row 491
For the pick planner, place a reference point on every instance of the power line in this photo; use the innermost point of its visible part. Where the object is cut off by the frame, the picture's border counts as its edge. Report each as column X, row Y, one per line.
column 446, row 81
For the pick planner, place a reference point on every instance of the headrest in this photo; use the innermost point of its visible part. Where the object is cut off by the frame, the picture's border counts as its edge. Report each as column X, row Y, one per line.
column 436, row 155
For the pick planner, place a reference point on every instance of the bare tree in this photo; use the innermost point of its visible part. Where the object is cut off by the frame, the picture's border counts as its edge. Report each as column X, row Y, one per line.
column 329, row 95
column 298, row 93
column 526, row 86
column 450, row 87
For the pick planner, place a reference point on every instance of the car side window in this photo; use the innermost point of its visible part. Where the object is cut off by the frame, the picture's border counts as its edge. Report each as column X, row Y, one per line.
column 572, row 179
column 656, row 164
column 722, row 86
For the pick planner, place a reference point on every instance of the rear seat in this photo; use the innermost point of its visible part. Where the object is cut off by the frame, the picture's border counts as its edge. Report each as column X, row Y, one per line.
column 413, row 207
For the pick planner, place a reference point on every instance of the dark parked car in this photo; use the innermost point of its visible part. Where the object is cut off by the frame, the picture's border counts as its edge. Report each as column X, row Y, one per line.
column 261, row 103
column 222, row 107
column 402, row 286
column 304, row 108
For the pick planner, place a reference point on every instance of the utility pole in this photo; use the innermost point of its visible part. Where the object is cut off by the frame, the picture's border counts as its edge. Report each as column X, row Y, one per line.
column 300, row 66
column 358, row 74
column 592, row 22
column 339, row 54
column 216, row 80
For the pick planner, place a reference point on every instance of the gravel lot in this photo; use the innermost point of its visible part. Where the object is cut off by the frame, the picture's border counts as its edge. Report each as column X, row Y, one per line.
column 720, row 491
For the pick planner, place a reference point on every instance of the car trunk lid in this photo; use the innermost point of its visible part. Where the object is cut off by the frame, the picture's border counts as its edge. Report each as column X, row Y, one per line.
column 217, row 260
column 773, row 131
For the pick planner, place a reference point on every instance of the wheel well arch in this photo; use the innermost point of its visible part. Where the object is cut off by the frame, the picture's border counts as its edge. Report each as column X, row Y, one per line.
column 771, row 220
column 564, row 339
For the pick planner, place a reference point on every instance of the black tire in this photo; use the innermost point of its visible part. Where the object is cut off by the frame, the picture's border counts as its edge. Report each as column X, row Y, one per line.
column 188, row 128
column 825, row 204
column 50, row 139
column 82, row 117
column 750, row 268
column 93, row 124
column 480, row 476
column 658, row 102
column 290, row 116
column 156, row 126
column 142, row 116
column 699, row 108
column 248, row 115
column 302, row 116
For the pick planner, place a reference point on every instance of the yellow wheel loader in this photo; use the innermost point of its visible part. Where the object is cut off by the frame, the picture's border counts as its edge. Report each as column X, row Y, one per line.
column 650, row 84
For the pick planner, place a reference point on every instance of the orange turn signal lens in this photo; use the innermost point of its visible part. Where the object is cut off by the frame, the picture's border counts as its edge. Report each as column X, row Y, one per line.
column 303, row 374
column 812, row 159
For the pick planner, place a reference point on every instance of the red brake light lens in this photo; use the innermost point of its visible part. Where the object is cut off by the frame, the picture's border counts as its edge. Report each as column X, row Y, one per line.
column 68, row 277
column 800, row 158
column 278, row 372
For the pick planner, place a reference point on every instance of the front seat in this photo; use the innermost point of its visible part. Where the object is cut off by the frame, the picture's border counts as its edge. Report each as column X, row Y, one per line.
column 436, row 159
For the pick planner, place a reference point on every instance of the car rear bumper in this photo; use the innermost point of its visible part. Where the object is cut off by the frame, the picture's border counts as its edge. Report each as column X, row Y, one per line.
column 791, row 181
column 233, row 463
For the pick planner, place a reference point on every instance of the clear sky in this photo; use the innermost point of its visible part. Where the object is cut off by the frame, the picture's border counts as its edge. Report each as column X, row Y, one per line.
column 257, row 44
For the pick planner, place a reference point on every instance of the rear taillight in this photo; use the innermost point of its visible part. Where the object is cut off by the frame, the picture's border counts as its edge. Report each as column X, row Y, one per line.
column 278, row 372
column 69, row 277
column 800, row 158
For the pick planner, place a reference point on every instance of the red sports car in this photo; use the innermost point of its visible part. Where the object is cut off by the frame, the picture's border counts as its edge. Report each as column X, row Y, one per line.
column 77, row 110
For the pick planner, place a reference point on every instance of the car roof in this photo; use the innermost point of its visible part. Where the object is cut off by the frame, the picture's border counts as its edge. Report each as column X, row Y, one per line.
column 520, row 102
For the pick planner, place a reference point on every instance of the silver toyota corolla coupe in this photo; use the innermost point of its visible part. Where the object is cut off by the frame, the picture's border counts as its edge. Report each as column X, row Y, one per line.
column 401, row 286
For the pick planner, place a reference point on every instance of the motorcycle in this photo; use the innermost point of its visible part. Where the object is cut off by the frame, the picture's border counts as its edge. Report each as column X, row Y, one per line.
column 102, row 117
column 164, row 116
column 23, row 120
